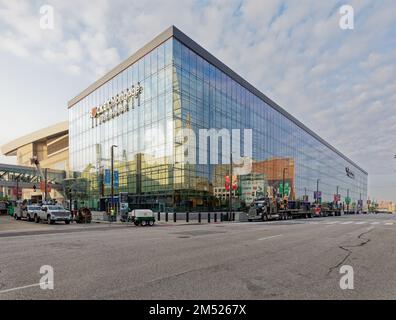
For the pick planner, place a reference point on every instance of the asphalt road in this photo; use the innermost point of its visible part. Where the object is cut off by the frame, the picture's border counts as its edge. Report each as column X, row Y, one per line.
column 298, row 259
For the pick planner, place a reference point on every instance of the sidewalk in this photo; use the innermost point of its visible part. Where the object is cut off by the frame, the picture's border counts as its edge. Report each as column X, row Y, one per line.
column 98, row 217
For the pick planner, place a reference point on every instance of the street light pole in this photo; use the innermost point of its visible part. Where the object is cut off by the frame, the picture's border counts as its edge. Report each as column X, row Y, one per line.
column 231, row 178
column 283, row 184
column 317, row 191
column 112, row 176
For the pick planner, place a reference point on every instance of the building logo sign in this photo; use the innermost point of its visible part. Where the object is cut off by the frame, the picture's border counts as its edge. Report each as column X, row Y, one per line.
column 349, row 173
column 117, row 105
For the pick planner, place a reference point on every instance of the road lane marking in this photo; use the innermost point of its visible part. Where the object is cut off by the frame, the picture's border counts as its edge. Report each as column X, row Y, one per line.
column 347, row 222
column 25, row 287
column 267, row 238
column 361, row 222
column 374, row 223
column 332, row 222
column 389, row 224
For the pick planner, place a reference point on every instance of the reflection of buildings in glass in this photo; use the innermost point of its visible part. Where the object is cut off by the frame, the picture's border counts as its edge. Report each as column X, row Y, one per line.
column 184, row 86
column 252, row 186
column 276, row 171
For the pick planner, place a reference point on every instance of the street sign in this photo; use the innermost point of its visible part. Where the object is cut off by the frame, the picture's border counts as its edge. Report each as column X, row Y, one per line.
column 107, row 177
column 317, row 195
column 347, row 200
column 287, row 188
column 116, row 179
column 337, row 197
column 42, row 187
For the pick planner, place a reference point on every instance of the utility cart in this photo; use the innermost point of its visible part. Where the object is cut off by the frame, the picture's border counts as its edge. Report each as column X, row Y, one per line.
column 142, row 217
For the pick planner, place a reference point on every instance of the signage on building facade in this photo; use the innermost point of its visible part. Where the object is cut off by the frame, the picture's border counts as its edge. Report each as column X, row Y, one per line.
column 117, row 105
column 349, row 173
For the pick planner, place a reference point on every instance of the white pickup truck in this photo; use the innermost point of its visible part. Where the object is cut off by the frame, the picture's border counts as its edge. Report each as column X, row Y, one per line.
column 27, row 212
column 52, row 214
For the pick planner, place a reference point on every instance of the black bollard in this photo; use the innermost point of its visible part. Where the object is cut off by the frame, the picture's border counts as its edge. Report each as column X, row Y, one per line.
column 199, row 217
column 166, row 216
column 208, row 217
column 174, row 217
column 187, row 217
column 159, row 216
column 215, row 217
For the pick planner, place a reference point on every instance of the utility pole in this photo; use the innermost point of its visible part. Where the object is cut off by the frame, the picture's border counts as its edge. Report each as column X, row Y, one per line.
column 45, row 186
column 317, row 191
column 112, row 176
column 230, row 204
column 17, row 188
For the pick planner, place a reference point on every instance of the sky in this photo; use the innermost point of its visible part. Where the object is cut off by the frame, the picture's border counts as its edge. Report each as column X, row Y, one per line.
column 340, row 83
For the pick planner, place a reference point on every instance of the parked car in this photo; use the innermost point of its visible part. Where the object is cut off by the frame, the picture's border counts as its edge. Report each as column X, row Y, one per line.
column 28, row 212
column 20, row 206
column 52, row 214
column 142, row 217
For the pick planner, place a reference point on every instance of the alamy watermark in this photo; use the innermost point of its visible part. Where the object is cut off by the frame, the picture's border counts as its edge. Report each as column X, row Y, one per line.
column 47, row 279
column 347, row 281
column 347, row 20
column 208, row 147
column 47, row 17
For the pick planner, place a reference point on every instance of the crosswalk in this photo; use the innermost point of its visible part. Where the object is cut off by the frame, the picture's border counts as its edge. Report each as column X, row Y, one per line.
column 339, row 222
column 354, row 222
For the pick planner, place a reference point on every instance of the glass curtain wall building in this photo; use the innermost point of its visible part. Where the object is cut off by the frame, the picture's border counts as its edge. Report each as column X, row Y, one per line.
column 171, row 84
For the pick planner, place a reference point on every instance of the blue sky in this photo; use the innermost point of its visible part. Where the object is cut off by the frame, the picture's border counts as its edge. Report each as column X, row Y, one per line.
column 340, row 83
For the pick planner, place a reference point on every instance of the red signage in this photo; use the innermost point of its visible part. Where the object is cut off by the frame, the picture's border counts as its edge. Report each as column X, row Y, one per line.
column 42, row 186
column 17, row 192
column 227, row 183
column 234, row 183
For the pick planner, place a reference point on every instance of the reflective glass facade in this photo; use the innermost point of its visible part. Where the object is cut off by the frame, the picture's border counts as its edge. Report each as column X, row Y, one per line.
column 182, row 89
